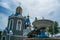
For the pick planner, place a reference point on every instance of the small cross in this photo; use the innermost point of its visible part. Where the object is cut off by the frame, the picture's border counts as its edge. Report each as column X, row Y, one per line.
column 19, row 3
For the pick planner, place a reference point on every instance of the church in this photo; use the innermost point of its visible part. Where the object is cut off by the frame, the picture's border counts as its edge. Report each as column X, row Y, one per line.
column 18, row 26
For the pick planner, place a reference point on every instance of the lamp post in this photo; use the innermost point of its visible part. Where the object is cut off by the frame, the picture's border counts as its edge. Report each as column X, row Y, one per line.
column 53, row 27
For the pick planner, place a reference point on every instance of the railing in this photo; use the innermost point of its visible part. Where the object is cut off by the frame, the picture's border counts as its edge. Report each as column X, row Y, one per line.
column 41, row 39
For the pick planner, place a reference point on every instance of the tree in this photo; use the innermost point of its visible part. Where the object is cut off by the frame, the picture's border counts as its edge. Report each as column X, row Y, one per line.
column 0, row 34
column 33, row 33
column 53, row 29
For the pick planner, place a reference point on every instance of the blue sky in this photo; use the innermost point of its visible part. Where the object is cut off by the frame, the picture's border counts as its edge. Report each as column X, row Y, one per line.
column 49, row 9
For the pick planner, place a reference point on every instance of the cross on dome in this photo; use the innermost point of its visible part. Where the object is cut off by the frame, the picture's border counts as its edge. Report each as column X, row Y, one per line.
column 19, row 3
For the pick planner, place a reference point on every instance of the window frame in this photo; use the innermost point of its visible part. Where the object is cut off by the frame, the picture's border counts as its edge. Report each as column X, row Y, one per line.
column 19, row 27
column 10, row 24
column 3, row 36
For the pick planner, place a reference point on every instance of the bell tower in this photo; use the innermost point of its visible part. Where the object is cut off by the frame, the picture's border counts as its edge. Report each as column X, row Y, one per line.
column 16, row 22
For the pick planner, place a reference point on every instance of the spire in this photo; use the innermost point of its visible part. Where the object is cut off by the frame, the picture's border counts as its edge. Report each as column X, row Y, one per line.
column 28, row 15
column 28, row 20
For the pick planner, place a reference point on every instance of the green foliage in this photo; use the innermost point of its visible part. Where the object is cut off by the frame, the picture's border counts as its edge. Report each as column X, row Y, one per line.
column 33, row 33
column 0, row 33
column 30, row 34
column 56, row 27
column 53, row 27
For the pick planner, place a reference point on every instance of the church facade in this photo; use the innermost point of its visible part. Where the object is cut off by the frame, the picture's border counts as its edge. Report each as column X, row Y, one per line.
column 17, row 26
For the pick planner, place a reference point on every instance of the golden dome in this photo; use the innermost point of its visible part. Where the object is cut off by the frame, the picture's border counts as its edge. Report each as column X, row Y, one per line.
column 19, row 10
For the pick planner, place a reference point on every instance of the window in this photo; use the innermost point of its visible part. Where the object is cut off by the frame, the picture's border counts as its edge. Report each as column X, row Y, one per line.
column 19, row 24
column 4, row 38
column 11, row 24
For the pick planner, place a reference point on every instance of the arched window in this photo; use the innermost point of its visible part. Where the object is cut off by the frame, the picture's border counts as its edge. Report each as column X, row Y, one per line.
column 4, row 38
column 11, row 24
column 19, row 24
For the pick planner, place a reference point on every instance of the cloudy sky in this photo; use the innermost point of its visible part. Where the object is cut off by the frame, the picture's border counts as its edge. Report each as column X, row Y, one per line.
column 49, row 9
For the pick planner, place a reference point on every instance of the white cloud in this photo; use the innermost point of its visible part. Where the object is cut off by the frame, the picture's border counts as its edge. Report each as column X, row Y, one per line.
column 37, row 8
column 40, row 6
column 3, row 21
column 4, row 4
